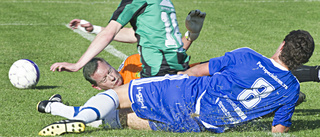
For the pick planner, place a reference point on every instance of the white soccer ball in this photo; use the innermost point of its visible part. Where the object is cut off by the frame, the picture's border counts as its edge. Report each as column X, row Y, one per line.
column 24, row 74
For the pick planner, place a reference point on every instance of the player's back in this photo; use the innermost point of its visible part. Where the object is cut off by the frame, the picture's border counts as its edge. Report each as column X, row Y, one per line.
column 245, row 85
column 157, row 26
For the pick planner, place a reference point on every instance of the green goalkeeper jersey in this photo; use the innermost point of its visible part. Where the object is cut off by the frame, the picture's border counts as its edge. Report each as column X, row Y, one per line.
column 157, row 31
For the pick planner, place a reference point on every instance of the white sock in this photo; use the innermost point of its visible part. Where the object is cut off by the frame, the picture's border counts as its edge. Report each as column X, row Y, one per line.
column 99, row 106
column 60, row 109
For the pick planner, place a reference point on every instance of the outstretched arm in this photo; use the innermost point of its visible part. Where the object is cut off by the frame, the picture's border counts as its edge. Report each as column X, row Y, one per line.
column 194, row 22
column 98, row 44
column 125, row 35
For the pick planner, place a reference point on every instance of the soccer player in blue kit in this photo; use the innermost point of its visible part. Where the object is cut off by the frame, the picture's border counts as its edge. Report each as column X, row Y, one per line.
column 225, row 92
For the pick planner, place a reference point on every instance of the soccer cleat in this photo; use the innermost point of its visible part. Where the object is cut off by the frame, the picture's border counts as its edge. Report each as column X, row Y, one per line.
column 62, row 127
column 56, row 97
column 302, row 98
column 41, row 106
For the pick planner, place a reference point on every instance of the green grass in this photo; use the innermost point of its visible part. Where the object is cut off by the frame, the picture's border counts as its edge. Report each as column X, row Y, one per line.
column 36, row 30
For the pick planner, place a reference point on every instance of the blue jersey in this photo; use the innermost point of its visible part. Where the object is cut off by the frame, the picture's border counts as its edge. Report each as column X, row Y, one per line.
column 243, row 85
column 246, row 85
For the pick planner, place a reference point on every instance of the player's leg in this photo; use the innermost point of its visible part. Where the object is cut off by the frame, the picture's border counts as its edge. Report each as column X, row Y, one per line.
column 307, row 73
column 55, row 107
column 103, row 103
column 97, row 107
column 60, row 109
column 127, row 119
column 301, row 99
column 134, row 122
column 151, row 61
column 177, row 61
column 127, row 116
column 159, row 62
column 122, row 92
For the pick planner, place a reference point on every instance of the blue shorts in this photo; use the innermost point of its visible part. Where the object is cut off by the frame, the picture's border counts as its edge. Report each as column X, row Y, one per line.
column 168, row 102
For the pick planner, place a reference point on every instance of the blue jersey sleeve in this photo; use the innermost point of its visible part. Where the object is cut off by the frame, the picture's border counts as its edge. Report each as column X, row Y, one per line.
column 230, row 58
column 217, row 64
column 283, row 114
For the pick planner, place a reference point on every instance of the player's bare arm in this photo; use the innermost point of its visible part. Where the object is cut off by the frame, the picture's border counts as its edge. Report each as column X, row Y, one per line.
column 101, row 41
column 198, row 70
column 194, row 22
column 125, row 35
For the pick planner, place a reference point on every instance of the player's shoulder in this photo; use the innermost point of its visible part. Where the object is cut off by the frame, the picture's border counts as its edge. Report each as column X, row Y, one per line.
column 244, row 49
column 245, row 53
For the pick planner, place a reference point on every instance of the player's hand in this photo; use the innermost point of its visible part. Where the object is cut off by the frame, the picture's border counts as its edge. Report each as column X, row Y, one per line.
column 81, row 24
column 64, row 66
column 194, row 23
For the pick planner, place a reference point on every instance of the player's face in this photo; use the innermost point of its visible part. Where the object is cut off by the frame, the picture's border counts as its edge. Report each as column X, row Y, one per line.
column 107, row 77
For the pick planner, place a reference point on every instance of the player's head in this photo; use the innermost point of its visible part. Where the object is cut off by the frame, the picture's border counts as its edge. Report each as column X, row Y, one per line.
column 101, row 74
column 297, row 49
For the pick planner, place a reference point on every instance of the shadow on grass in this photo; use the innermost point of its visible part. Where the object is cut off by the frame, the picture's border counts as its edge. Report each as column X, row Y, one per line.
column 45, row 87
column 91, row 130
column 306, row 112
column 304, row 122
column 253, row 126
column 297, row 124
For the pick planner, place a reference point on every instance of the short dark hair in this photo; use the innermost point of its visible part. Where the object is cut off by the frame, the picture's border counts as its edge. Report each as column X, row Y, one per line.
column 90, row 68
column 298, row 48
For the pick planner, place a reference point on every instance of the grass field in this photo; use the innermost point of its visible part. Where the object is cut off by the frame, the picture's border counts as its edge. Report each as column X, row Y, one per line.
column 35, row 29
